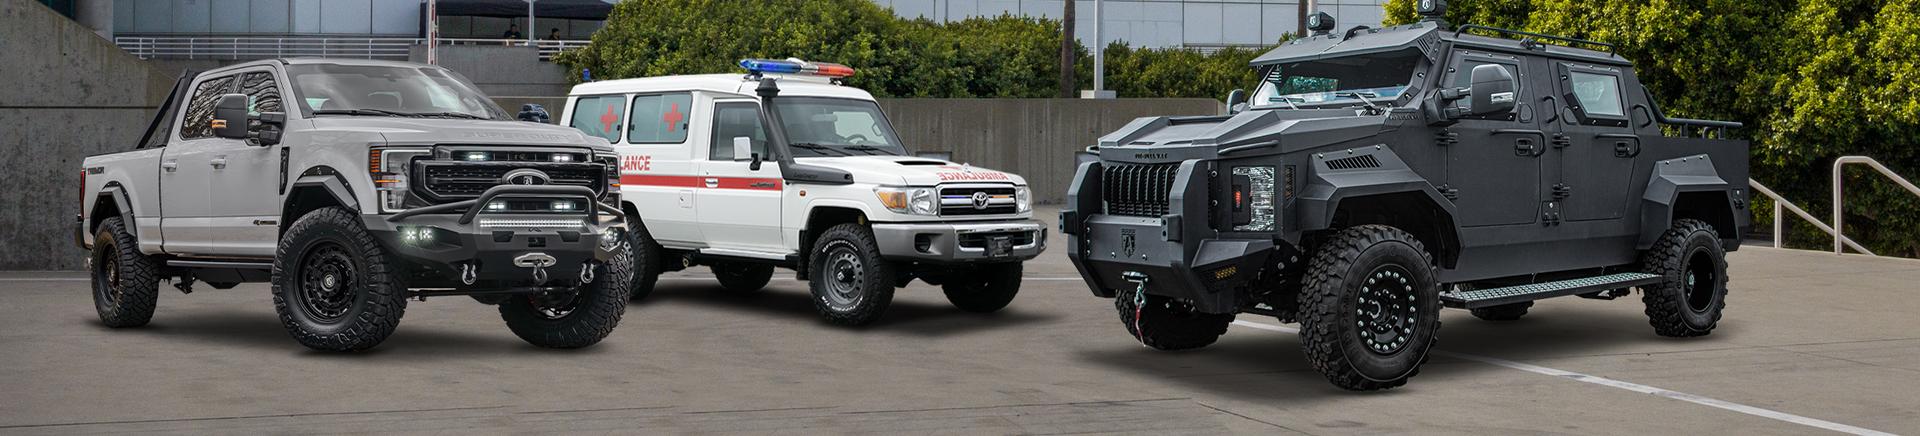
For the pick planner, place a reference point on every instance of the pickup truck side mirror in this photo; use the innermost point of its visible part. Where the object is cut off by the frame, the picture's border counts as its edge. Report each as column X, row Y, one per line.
column 230, row 116
column 1491, row 91
column 743, row 150
column 1236, row 101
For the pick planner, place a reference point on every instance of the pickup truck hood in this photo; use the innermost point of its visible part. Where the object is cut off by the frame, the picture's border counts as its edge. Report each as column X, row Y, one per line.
column 459, row 131
column 1173, row 139
column 911, row 171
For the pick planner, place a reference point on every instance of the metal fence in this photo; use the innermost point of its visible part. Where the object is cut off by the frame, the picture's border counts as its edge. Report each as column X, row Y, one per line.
column 252, row 47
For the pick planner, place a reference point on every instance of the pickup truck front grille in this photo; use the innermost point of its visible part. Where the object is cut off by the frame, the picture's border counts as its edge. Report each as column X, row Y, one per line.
column 1138, row 189
column 958, row 200
column 442, row 181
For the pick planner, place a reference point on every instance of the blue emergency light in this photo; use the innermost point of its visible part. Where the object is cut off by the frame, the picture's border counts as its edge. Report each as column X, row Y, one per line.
column 796, row 66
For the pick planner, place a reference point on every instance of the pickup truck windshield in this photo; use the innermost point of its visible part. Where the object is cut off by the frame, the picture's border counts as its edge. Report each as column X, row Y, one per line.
column 380, row 90
column 1345, row 80
column 836, row 127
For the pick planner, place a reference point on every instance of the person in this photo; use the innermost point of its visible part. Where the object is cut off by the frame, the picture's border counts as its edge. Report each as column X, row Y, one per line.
column 554, row 35
column 513, row 32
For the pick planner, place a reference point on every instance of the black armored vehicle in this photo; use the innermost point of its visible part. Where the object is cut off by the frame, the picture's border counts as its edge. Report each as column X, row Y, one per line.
column 1378, row 175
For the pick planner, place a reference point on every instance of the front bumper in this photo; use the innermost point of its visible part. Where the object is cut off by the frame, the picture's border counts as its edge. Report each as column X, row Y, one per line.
column 939, row 242
column 1113, row 252
column 442, row 247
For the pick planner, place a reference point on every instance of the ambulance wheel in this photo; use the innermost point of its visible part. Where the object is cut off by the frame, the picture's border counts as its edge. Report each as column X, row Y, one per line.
column 1168, row 324
column 126, row 283
column 851, row 284
column 984, row 289
column 742, row 277
column 1369, row 308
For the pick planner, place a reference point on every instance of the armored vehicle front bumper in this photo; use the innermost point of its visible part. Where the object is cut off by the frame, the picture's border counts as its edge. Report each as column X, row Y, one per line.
column 477, row 249
column 1113, row 252
column 939, row 242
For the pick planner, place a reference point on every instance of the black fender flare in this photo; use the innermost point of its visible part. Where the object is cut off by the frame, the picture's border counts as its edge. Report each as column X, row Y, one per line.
column 327, row 180
column 1669, row 180
column 118, row 195
column 1319, row 201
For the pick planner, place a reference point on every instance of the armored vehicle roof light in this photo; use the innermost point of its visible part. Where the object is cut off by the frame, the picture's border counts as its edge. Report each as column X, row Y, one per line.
column 1320, row 23
column 796, row 66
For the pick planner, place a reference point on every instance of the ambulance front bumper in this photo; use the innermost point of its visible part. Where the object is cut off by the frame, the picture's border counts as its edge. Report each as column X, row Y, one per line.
column 999, row 241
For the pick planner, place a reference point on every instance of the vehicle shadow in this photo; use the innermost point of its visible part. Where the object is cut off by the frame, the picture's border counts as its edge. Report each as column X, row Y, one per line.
column 788, row 300
column 263, row 331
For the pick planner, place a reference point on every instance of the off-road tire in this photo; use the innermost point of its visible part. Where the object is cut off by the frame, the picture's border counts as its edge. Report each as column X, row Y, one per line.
column 332, row 242
column 126, row 283
column 742, row 277
column 582, row 320
column 1168, row 324
column 851, row 284
column 645, row 263
column 1336, row 284
column 1504, row 312
column 984, row 289
column 1689, row 300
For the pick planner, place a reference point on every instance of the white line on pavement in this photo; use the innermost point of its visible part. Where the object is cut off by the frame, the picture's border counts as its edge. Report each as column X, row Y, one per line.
column 48, row 279
column 1603, row 381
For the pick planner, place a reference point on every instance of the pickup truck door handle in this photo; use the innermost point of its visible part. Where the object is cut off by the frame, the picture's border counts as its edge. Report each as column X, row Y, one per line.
column 170, row 165
column 219, row 162
column 713, row 182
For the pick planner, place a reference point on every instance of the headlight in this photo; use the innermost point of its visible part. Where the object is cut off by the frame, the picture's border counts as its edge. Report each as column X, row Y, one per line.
column 911, row 201
column 1253, row 199
column 389, row 168
column 1023, row 199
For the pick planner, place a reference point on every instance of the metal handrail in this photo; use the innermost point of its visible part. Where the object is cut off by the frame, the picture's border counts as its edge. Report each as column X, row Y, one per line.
column 1840, row 164
column 1779, row 223
column 244, row 47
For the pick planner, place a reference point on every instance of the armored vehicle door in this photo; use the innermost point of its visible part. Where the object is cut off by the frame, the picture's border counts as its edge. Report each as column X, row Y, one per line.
column 1493, row 164
column 1596, row 144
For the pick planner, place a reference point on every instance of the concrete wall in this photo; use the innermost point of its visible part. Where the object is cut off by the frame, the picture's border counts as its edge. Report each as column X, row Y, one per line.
column 70, row 94
column 501, row 70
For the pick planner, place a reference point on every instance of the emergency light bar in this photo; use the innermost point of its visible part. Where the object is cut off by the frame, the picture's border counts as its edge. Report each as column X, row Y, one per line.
column 796, row 66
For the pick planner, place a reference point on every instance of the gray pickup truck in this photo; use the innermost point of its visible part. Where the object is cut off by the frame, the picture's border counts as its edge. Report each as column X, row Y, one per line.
column 353, row 186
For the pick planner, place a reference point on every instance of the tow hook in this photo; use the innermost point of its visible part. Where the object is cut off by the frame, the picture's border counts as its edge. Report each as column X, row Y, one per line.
column 539, row 262
column 586, row 272
column 1139, row 280
column 469, row 273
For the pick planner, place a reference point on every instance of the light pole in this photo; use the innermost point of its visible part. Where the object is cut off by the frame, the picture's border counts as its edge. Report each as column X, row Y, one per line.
column 530, row 25
column 1099, row 57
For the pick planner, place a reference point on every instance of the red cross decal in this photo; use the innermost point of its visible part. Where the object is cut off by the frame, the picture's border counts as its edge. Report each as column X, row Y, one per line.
column 673, row 117
column 607, row 120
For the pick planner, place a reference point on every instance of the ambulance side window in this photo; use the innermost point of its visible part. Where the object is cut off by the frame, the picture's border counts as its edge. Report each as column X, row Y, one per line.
column 600, row 115
column 660, row 118
column 731, row 120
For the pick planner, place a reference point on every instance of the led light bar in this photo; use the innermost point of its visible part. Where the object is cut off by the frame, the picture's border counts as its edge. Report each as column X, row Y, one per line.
column 796, row 66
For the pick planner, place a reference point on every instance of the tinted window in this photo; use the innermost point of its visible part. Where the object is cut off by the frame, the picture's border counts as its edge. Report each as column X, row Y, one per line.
column 731, row 120
column 1599, row 94
column 600, row 116
column 263, row 94
column 370, row 90
column 660, row 119
column 199, row 120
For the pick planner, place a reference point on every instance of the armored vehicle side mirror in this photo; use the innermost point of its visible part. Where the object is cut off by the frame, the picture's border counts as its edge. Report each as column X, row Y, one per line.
column 743, row 151
column 1492, row 90
column 230, row 116
column 1236, row 101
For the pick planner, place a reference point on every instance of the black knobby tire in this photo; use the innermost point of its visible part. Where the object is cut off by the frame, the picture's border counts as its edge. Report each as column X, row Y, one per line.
column 1369, row 308
column 984, row 289
column 742, row 277
column 1688, row 301
column 1504, row 312
column 1168, row 323
column 575, row 319
column 334, row 285
column 851, row 284
column 126, row 283
column 645, row 261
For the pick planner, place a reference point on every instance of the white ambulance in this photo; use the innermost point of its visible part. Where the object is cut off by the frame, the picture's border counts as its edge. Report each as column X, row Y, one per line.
column 782, row 166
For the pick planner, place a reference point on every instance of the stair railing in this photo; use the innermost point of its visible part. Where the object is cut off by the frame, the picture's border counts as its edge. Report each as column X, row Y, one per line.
column 1839, row 223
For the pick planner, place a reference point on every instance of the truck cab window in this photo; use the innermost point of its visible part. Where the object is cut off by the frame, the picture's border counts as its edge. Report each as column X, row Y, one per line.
column 600, row 116
column 1599, row 94
column 732, row 120
column 660, row 118
column 263, row 94
column 199, row 120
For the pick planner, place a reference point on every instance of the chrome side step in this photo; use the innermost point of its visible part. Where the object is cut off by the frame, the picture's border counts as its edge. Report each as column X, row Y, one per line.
column 1479, row 298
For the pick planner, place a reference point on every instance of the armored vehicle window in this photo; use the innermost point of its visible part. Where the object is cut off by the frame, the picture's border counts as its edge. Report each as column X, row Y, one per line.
column 263, row 94
column 660, row 119
column 600, row 116
column 1599, row 94
column 199, row 120
column 1378, row 77
column 732, row 120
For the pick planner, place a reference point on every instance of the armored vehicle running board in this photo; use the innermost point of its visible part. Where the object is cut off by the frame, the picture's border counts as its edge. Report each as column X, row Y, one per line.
column 1479, row 298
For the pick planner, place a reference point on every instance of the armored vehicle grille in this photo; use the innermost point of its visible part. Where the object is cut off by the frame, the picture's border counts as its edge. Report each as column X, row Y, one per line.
column 442, row 181
column 1138, row 190
column 958, row 200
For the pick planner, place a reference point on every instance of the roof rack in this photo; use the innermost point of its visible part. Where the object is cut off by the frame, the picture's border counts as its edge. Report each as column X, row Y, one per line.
column 1531, row 36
